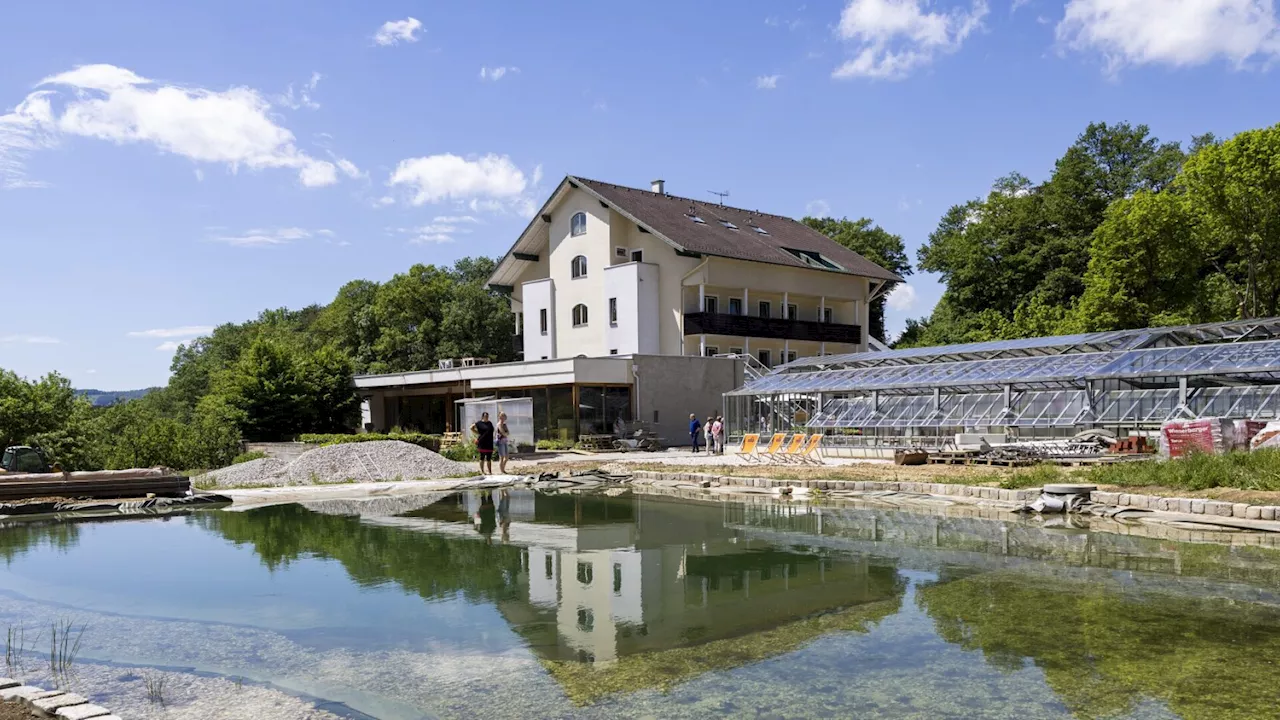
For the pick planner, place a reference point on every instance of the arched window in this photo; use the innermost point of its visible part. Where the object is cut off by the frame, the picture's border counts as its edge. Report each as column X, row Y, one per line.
column 579, row 315
column 578, row 224
column 579, row 267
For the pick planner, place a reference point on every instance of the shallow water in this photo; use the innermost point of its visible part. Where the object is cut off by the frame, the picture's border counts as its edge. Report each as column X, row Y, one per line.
column 524, row 605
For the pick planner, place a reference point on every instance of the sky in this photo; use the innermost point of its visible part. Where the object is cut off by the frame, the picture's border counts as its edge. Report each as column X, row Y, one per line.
column 168, row 167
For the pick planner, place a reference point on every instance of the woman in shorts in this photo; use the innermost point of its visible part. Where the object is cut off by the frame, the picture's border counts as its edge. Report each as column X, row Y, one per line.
column 502, row 440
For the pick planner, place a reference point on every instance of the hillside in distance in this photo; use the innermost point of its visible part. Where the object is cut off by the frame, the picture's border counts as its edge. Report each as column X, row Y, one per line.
column 102, row 398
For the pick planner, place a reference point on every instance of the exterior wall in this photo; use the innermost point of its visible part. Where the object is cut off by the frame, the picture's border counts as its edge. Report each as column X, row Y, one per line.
column 635, row 287
column 595, row 245
column 674, row 386
column 539, row 295
column 672, row 269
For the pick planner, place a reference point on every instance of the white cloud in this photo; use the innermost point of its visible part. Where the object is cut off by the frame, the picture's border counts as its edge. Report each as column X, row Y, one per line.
column 349, row 168
column 891, row 38
column 455, row 219
column 303, row 97
column 767, row 82
column 393, row 31
column 497, row 73
column 90, row 371
column 902, row 298
column 537, row 174
column 184, row 331
column 489, row 182
column 263, row 237
column 172, row 345
column 1171, row 32
column 817, row 208
column 199, row 175
column 234, row 127
column 29, row 340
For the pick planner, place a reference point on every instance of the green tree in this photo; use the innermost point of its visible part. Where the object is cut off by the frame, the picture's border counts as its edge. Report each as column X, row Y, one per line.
column 266, row 391
column 875, row 244
column 29, row 408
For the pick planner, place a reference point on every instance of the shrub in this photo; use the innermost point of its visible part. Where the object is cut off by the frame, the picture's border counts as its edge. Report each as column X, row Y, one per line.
column 1257, row 470
column 430, row 442
column 245, row 457
column 555, row 444
column 461, row 452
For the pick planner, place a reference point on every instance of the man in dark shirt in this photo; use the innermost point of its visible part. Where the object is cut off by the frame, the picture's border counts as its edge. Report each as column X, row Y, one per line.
column 695, row 429
column 484, row 443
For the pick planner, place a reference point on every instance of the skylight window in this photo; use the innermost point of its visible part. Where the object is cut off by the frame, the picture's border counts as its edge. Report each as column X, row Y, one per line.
column 760, row 230
column 697, row 219
column 814, row 259
column 728, row 224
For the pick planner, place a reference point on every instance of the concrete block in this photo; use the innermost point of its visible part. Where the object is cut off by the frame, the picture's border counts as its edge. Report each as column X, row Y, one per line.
column 6, row 683
column 1184, row 505
column 18, row 691
column 1253, row 512
column 1215, row 507
column 51, row 704
column 1198, row 506
column 82, row 712
column 1123, row 499
column 1268, row 512
column 1239, row 510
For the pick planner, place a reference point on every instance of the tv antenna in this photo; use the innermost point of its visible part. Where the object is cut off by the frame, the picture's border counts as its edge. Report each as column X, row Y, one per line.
column 721, row 195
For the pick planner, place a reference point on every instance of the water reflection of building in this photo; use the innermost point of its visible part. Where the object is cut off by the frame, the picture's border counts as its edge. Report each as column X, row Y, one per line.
column 604, row 577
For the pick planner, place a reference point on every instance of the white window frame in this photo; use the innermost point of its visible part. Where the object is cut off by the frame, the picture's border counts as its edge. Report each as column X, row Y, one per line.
column 613, row 311
column 580, row 319
column 765, row 356
column 732, row 300
column 791, row 356
column 542, row 321
column 711, row 351
column 735, row 351
column 710, row 301
column 765, row 308
column 637, row 255
column 578, row 228
column 828, row 315
column 578, row 269
column 793, row 311
column 620, row 252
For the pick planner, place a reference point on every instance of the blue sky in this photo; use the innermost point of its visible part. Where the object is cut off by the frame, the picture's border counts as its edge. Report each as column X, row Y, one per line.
column 166, row 167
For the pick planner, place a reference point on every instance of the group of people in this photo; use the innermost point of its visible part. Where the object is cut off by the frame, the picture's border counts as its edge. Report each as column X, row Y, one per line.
column 709, row 434
column 491, row 439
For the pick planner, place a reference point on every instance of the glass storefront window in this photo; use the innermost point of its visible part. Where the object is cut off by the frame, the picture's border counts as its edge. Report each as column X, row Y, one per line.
column 561, row 413
column 591, row 416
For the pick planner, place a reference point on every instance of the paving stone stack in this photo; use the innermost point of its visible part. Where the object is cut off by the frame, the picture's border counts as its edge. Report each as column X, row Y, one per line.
column 53, row 703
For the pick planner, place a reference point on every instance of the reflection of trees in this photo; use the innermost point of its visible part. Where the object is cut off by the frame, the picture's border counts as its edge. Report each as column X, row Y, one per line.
column 20, row 537
column 429, row 565
column 1103, row 652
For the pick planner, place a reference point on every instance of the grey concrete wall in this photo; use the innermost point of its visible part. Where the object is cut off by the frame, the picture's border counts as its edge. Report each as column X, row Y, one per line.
column 674, row 386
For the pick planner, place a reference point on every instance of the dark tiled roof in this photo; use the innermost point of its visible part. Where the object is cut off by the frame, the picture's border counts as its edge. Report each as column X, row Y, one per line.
column 668, row 215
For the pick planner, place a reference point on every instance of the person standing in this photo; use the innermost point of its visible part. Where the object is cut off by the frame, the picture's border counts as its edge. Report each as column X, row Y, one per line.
column 711, row 439
column 695, row 430
column 484, row 442
column 502, row 439
column 717, row 429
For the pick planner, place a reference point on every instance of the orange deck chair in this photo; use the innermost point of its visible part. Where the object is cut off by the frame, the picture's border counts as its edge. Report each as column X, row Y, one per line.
column 810, row 452
column 793, row 448
column 772, row 450
column 749, row 443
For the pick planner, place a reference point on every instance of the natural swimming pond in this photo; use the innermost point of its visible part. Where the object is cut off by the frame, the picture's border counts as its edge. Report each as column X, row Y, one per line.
column 516, row 604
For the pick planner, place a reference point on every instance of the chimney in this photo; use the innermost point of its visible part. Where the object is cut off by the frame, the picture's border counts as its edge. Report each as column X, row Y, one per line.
column 660, row 187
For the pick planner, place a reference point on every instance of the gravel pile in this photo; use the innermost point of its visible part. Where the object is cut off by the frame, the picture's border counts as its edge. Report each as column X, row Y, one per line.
column 345, row 462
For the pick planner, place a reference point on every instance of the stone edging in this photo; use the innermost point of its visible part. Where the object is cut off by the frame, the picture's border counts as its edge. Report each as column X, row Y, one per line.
column 53, row 703
column 1196, row 506
column 1024, row 495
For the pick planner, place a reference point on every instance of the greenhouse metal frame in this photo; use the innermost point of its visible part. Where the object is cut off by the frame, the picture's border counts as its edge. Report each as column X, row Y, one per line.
column 1126, row 381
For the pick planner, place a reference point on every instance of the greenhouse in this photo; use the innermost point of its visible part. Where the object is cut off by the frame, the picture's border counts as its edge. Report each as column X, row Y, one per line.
column 1125, row 381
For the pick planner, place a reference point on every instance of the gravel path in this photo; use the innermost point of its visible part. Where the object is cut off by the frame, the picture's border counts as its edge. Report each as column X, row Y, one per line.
column 345, row 462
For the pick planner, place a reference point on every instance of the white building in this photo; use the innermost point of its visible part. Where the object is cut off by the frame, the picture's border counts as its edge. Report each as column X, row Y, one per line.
column 621, row 298
column 609, row 270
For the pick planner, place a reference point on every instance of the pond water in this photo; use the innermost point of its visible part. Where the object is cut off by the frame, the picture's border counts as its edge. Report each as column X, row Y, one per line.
column 530, row 605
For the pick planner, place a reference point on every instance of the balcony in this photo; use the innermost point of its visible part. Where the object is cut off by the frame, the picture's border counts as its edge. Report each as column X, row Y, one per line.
column 700, row 323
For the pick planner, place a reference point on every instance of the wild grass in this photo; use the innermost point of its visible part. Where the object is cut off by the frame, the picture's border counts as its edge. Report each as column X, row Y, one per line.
column 17, row 646
column 1257, row 470
column 64, row 646
column 245, row 457
column 1033, row 476
column 155, row 683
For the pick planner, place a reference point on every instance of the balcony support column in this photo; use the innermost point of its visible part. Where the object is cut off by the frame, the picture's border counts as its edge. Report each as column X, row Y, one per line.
column 702, row 345
column 702, row 297
column 822, row 317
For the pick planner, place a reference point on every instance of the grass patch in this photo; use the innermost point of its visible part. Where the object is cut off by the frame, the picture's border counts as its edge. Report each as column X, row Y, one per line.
column 1033, row 476
column 1257, row 470
column 430, row 442
column 247, row 456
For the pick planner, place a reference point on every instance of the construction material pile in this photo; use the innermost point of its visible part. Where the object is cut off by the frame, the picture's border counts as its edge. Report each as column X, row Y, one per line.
column 346, row 462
